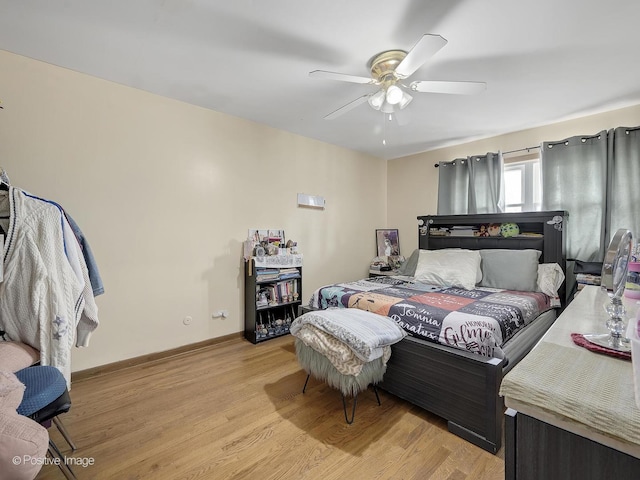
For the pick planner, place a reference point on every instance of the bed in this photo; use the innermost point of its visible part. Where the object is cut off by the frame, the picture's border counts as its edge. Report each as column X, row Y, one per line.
column 459, row 378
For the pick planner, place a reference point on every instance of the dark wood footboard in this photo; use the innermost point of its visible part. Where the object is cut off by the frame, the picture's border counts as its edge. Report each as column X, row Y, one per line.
column 455, row 385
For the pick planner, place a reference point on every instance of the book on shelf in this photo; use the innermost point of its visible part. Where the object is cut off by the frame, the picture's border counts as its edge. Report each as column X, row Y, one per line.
column 277, row 293
column 269, row 275
column 463, row 231
column 267, row 278
column 267, row 271
column 529, row 234
column 289, row 270
column 289, row 273
column 439, row 232
column 588, row 279
column 289, row 276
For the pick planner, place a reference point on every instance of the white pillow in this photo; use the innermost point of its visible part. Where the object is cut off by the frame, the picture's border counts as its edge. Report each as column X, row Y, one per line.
column 550, row 278
column 450, row 267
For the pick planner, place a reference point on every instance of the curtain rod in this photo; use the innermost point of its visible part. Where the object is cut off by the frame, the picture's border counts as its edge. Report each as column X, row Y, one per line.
column 527, row 149
column 632, row 129
column 521, row 150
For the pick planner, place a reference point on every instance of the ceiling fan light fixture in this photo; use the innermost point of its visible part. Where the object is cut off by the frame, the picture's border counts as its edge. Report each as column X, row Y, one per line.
column 406, row 100
column 388, row 108
column 394, row 94
column 377, row 99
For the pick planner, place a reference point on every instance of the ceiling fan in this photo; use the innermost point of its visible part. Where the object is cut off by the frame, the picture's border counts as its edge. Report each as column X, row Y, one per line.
column 390, row 69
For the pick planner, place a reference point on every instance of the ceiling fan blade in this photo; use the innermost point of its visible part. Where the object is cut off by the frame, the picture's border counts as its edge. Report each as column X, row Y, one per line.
column 422, row 51
column 342, row 77
column 347, row 107
column 459, row 88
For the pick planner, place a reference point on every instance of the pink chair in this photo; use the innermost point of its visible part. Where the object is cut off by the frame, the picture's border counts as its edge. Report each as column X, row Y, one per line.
column 20, row 436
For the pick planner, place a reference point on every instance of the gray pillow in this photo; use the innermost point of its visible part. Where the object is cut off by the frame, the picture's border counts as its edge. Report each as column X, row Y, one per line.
column 409, row 266
column 510, row 269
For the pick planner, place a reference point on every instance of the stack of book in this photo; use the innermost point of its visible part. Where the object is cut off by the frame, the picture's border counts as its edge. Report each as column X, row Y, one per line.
column 584, row 279
column 267, row 274
column 289, row 273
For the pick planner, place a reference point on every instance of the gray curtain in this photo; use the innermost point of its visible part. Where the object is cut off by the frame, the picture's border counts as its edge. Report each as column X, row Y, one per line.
column 623, row 199
column 574, row 178
column 471, row 185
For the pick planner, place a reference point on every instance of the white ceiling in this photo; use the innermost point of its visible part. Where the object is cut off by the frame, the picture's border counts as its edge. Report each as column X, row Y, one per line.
column 543, row 60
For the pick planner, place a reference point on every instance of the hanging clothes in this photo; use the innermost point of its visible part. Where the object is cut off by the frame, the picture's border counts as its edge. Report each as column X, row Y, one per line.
column 75, row 255
column 94, row 275
column 46, row 299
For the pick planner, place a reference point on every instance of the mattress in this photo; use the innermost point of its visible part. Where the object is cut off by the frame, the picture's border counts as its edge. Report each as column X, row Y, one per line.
column 480, row 321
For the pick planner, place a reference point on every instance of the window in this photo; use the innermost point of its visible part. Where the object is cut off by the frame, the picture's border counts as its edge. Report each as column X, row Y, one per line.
column 522, row 184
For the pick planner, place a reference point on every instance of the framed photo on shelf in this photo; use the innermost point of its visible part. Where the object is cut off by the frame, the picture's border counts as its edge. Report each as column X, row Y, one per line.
column 387, row 242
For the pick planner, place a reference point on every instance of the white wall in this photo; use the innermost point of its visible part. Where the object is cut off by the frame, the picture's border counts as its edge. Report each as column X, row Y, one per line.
column 413, row 180
column 165, row 193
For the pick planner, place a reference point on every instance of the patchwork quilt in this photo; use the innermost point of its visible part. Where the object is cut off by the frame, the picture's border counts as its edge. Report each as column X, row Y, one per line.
column 478, row 321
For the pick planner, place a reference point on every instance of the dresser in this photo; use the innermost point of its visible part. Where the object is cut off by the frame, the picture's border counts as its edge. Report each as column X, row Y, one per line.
column 571, row 413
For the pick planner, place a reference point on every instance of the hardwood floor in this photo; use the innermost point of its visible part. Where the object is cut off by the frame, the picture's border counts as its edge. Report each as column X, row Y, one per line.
column 236, row 410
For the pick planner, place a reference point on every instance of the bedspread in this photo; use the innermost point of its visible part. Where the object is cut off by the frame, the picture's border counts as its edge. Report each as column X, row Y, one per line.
column 365, row 334
column 478, row 321
column 337, row 352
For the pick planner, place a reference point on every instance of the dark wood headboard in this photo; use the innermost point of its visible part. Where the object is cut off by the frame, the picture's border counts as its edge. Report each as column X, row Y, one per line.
column 549, row 236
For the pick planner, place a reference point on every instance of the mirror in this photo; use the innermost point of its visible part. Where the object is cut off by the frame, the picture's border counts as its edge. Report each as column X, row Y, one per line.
column 613, row 279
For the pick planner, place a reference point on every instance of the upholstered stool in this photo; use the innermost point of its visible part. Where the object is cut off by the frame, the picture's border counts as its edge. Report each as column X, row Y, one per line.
column 316, row 364
column 347, row 348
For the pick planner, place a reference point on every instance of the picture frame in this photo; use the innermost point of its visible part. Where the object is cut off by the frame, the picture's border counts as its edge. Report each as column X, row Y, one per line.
column 387, row 242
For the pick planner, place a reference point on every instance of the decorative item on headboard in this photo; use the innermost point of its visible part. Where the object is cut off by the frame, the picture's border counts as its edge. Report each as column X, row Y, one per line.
column 494, row 230
column 556, row 222
column 509, row 229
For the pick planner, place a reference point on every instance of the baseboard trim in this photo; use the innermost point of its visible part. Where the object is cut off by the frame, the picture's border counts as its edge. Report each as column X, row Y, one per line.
column 151, row 357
